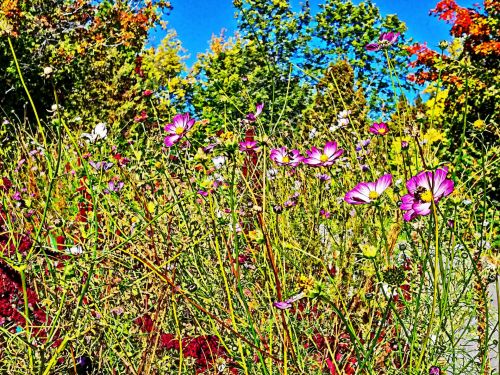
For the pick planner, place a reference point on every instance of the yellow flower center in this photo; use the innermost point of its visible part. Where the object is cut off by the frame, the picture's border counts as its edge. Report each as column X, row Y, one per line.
column 426, row 196
column 286, row 159
column 373, row 195
column 382, row 131
column 179, row 130
column 323, row 158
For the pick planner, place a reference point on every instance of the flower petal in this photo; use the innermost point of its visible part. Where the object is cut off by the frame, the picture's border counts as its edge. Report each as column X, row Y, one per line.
column 383, row 183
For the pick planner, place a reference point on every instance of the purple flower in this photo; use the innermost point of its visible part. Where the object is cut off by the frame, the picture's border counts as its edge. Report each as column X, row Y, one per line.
column 404, row 145
column 248, row 146
column 323, row 159
column 115, row 186
column 423, row 189
column 282, row 305
column 202, row 193
column 180, row 125
column 325, row 214
column 362, row 144
column 379, row 128
column 252, row 117
column 281, row 156
column 367, row 192
column 101, row 165
column 384, row 41
column 17, row 196
column 323, row 177
column 434, row 370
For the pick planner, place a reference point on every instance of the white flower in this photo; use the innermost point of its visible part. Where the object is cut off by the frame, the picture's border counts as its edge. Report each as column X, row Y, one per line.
column 219, row 161
column 466, row 202
column 47, row 71
column 100, row 132
column 312, row 133
column 342, row 122
column 344, row 114
column 271, row 174
column 75, row 250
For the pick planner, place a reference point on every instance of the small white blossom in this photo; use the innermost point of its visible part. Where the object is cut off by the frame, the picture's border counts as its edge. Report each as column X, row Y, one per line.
column 75, row 250
column 219, row 161
column 100, row 132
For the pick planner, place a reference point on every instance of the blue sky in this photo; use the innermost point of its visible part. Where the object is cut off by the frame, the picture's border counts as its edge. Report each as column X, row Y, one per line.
column 196, row 20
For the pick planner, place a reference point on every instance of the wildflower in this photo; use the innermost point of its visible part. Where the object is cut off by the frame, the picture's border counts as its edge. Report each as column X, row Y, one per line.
column 313, row 133
column 47, row 71
column 404, row 145
column 147, row 93
column 100, row 132
column 362, row 144
column 323, row 159
column 271, row 173
column 384, row 41
column 479, row 124
column 379, row 128
column 180, row 125
column 143, row 116
column 425, row 188
column 252, row 117
column 369, row 251
column 248, row 146
column 75, row 250
column 219, row 161
column 344, row 114
column 101, row 165
column 325, row 214
column 283, row 305
column 434, row 370
column 203, row 193
column 367, row 192
column 323, row 177
column 114, row 186
column 281, row 156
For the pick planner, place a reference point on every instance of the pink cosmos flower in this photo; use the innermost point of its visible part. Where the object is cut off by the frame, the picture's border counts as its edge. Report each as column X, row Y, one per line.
column 252, row 117
column 384, row 41
column 367, row 192
column 423, row 189
column 380, row 128
column 248, row 146
column 180, row 125
column 281, row 156
column 323, row 158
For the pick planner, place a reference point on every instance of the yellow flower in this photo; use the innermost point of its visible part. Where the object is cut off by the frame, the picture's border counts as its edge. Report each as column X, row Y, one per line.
column 479, row 124
column 305, row 283
column 433, row 135
column 369, row 251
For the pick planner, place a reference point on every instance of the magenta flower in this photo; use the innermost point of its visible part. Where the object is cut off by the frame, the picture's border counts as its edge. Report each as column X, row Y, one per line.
column 367, row 192
column 379, row 128
column 180, row 125
column 434, row 370
column 384, row 41
column 252, row 117
column 323, row 158
column 423, row 189
column 248, row 146
column 281, row 156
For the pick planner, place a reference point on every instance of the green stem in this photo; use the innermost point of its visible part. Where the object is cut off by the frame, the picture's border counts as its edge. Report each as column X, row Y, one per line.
column 434, row 296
